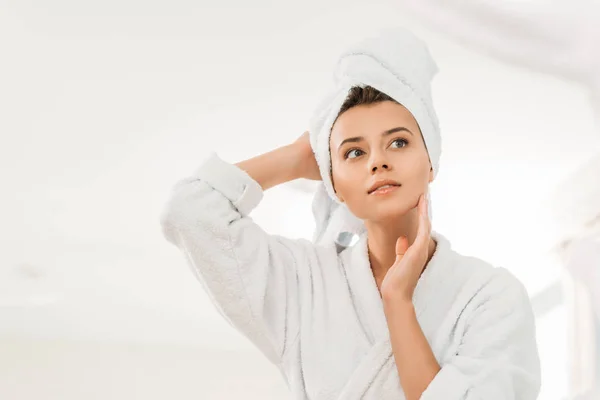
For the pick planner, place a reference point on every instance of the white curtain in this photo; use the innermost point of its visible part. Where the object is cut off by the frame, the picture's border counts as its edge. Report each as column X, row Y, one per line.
column 557, row 37
column 582, row 260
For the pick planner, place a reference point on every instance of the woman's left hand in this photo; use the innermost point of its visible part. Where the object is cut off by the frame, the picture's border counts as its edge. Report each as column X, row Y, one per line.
column 401, row 279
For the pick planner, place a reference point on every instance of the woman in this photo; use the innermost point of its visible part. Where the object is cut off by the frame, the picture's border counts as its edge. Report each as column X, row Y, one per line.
column 397, row 315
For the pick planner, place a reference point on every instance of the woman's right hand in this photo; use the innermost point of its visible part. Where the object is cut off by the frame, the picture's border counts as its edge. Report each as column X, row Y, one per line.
column 307, row 164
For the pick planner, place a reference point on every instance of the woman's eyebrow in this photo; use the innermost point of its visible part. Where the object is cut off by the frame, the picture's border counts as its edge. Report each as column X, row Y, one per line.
column 385, row 133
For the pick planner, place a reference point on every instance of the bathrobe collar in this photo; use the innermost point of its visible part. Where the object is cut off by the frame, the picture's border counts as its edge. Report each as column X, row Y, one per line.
column 368, row 298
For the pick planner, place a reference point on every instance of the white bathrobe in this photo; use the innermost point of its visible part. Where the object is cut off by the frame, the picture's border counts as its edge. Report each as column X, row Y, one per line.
column 318, row 316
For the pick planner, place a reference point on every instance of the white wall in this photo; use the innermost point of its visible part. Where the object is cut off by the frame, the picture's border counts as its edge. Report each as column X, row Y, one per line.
column 73, row 370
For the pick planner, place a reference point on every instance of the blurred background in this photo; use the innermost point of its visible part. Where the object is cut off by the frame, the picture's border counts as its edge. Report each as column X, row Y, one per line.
column 105, row 105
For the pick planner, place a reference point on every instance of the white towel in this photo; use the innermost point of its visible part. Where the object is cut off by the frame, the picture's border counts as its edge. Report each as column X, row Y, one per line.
column 396, row 63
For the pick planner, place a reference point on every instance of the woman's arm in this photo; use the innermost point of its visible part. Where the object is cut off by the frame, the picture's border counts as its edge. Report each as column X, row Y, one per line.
column 284, row 164
column 251, row 277
column 414, row 358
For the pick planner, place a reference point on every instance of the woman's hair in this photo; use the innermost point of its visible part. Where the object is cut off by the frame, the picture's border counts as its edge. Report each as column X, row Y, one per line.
column 363, row 96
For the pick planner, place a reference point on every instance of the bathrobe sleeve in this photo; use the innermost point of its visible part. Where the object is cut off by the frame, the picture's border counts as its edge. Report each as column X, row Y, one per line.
column 249, row 275
column 498, row 357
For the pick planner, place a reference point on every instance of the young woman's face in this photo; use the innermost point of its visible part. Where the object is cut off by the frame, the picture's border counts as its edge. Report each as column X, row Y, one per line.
column 362, row 153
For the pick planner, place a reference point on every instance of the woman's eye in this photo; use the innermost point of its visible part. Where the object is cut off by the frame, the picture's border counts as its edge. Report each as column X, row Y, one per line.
column 358, row 152
column 351, row 151
column 402, row 142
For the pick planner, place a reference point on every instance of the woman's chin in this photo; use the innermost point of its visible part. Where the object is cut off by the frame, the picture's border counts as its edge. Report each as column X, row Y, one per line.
column 386, row 212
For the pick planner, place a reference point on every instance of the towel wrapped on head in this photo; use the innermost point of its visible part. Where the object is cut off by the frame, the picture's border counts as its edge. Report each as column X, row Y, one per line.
column 396, row 63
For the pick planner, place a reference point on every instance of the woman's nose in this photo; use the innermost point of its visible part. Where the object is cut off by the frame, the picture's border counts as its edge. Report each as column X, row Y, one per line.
column 378, row 161
column 381, row 166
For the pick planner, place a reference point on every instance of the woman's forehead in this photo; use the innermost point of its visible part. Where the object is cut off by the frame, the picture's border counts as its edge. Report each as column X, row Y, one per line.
column 371, row 120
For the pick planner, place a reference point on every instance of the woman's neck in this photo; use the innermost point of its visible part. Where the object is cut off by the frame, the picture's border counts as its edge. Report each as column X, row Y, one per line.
column 382, row 237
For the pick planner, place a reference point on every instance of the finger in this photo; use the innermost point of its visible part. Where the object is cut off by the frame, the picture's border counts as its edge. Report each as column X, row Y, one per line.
column 425, row 209
column 423, row 231
column 424, row 203
column 401, row 246
column 420, row 203
column 427, row 219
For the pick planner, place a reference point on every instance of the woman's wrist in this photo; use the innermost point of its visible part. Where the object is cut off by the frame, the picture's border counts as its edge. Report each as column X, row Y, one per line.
column 304, row 159
column 274, row 167
column 393, row 303
column 293, row 156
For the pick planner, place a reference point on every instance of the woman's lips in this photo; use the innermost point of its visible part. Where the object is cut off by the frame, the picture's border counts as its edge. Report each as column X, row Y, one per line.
column 385, row 190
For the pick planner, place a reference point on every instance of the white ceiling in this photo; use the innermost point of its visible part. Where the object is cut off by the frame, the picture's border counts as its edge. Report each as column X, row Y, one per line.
column 104, row 106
